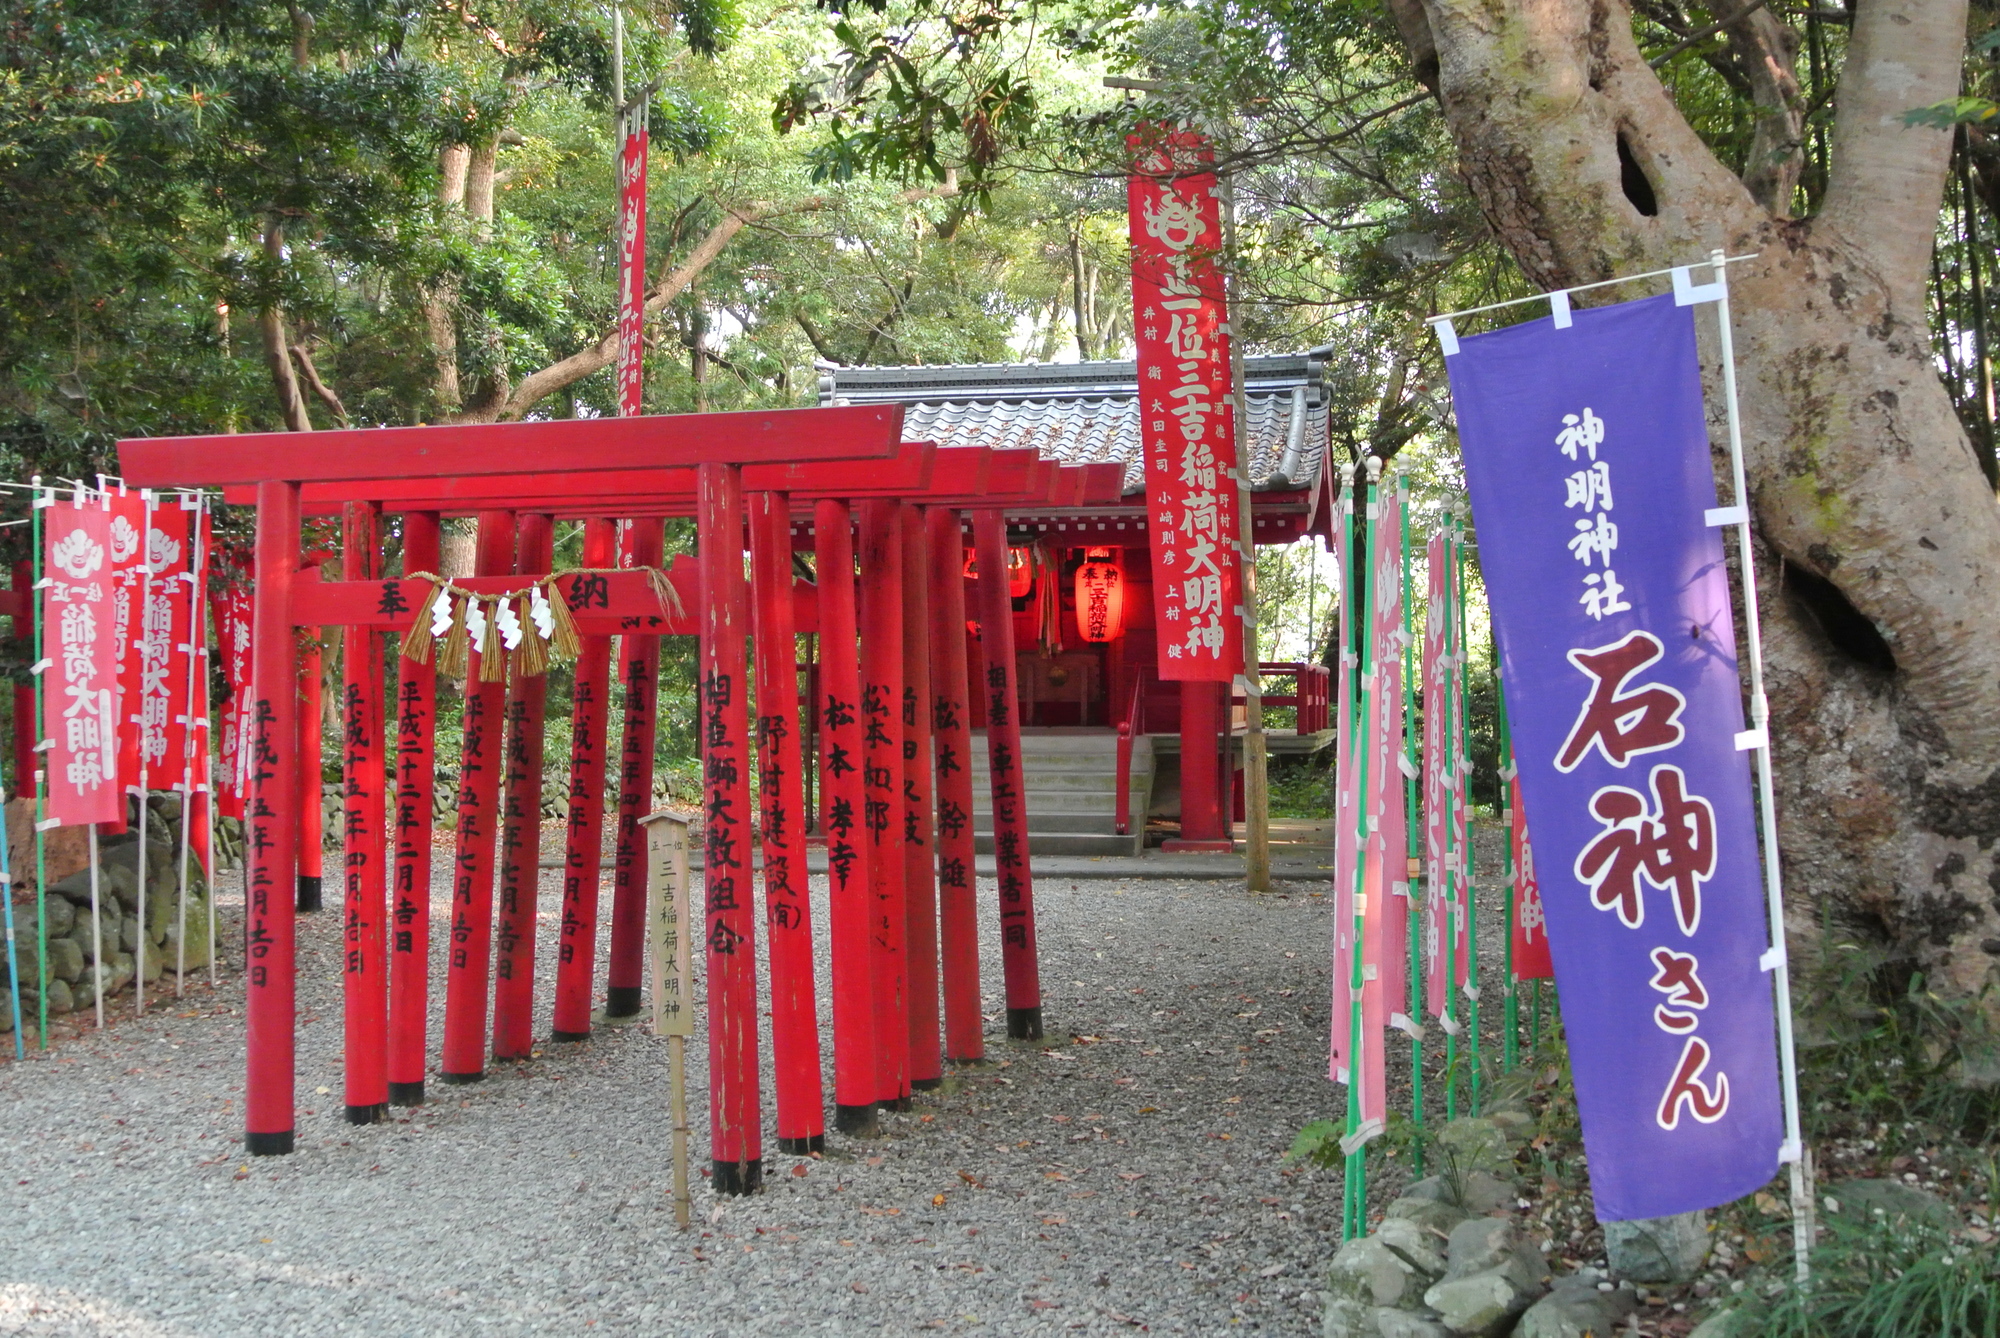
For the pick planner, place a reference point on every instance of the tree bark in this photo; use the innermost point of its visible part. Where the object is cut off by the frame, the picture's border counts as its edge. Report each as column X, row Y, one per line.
column 277, row 349
column 440, row 318
column 1865, row 491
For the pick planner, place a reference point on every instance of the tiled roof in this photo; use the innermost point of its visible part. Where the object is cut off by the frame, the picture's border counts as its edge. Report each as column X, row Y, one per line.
column 1088, row 412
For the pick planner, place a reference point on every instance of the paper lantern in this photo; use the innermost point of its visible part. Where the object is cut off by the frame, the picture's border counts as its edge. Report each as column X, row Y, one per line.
column 1100, row 596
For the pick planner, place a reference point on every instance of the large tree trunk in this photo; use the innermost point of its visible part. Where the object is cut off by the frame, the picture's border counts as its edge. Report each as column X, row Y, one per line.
column 277, row 347
column 1879, row 539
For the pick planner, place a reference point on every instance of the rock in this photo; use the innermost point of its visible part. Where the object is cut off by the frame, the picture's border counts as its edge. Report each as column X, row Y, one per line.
column 154, row 962
column 1474, row 1144
column 61, row 916
column 1404, row 1324
column 119, row 887
column 162, row 910
column 1346, row 1318
column 1373, row 1273
column 1658, row 1249
column 1574, row 1308
column 197, row 937
column 128, row 934
column 1484, row 1191
column 1890, row 1202
column 118, row 971
column 60, row 999
column 1432, row 1187
column 1484, row 1304
column 65, row 850
column 65, row 960
column 166, row 805
column 1514, row 1125
column 1426, row 1213
column 1731, row 1323
column 1484, row 1244
column 1417, row 1246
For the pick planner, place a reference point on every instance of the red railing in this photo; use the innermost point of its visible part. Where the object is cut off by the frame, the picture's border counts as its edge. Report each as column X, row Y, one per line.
column 1132, row 725
column 1312, row 693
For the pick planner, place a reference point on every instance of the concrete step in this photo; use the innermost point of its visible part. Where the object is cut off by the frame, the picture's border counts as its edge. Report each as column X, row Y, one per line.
column 1071, row 843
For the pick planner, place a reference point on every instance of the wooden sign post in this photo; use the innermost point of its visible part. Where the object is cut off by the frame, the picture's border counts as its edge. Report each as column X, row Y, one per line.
column 673, row 973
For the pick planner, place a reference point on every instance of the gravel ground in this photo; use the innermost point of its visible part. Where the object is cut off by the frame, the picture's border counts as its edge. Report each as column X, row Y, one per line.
column 1125, row 1177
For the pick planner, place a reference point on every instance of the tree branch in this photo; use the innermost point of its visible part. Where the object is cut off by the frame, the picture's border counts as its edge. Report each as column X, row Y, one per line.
column 319, row 387
column 271, row 333
column 1898, row 57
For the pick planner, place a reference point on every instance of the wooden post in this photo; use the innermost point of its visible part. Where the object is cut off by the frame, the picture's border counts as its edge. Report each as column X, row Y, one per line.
column 735, row 1126
column 521, row 838
column 576, row 953
column 1003, row 753
column 468, row 961
column 841, row 803
column 416, row 783
column 951, row 720
column 882, row 776
column 787, row 909
column 364, row 972
column 673, row 979
column 311, row 764
column 919, row 855
column 269, row 1003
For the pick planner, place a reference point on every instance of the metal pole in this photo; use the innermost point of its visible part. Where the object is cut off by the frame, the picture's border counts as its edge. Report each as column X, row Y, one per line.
column 1510, row 1041
column 42, row 500
column 1793, row 1152
column 197, row 653
column 1461, row 763
column 1414, row 829
column 1362, row 574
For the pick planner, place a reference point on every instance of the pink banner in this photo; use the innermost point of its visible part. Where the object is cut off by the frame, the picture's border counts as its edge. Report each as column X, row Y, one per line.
column 1187, row 416
column 632, row 269
column 80, row 684
column 1436, row 694
column 163, row 643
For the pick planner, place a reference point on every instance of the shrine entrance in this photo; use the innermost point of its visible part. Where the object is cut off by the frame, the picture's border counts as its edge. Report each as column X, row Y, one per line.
column 892, row 525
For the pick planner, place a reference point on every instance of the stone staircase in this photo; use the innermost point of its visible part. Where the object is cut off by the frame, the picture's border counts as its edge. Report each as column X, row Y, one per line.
column 1072, row 792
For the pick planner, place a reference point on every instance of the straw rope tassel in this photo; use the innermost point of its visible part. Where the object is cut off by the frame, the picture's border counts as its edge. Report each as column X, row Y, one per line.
column 663, row 590
column 531, row 657
column 493, row 656
column 452, row 655
column 420, row 641
column 565, row 641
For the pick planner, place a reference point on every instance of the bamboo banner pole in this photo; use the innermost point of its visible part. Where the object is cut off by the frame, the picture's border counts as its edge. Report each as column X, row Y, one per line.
column 1414, row 832
column 96, row 927
column 1449, row 792
column 197, row 665
column 1510, row 1040
column 206, row 713
column 43, row 499
column 1794, row 1152
column 416, row 784
column 1461, row 766
column 7, row 905
column 1364, row 570
column 1256, row 746
column 145, row 782
column 1349, row 681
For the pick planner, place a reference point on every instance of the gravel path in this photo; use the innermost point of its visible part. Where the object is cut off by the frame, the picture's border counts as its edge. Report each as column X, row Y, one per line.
column 1127, row 1177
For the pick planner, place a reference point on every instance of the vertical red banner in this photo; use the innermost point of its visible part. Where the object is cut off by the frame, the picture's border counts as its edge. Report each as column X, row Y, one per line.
column 233, row 633
column 128, row 575
column 364, row 970
column 80, row 682
column 632, row 265
column 841, row 804
column 1187, row 416
column 164, row 642
column 1531, row 927
column 416, row 785
column 735, row 1126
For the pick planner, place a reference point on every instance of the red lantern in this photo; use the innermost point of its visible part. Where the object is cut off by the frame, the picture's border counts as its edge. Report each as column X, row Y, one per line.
column 1100, row 596
column 1020, row 572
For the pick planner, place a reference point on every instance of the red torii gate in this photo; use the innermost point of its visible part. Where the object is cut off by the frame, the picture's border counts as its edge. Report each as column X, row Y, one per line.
column 887, row 920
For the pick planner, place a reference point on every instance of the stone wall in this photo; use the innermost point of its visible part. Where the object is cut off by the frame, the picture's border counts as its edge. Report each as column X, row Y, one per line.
column 71, row 947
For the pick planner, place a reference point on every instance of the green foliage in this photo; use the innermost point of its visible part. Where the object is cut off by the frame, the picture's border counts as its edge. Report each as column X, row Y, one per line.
column 1894, row 1279
column 1302, row 787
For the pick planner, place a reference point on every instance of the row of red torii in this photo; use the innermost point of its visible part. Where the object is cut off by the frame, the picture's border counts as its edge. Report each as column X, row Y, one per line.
column 901, row 911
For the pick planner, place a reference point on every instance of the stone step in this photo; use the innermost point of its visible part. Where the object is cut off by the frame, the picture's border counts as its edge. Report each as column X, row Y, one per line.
column 1071, row 843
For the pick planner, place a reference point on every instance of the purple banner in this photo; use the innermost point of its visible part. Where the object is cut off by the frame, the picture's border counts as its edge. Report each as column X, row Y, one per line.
column 1587, row 456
